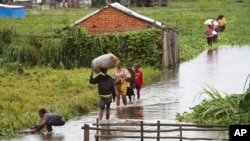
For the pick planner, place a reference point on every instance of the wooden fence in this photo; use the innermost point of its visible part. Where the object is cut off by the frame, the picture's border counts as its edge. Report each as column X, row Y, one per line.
column 156, row 131
column 170, row 48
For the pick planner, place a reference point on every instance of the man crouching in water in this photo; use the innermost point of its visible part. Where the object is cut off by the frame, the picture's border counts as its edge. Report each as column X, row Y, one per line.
column 48, row 120
column 106, row 90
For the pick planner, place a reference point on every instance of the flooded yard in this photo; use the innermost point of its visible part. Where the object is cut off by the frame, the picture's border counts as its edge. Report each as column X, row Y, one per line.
column 225, row 69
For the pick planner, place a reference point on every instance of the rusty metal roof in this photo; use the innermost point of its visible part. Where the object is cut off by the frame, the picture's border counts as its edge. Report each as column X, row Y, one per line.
column 125, row 10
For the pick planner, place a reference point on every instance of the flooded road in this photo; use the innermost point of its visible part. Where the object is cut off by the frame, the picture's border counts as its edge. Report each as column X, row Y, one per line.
column 225, row 69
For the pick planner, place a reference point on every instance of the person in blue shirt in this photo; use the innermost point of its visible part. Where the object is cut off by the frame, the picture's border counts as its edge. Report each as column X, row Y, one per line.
column 48, row 120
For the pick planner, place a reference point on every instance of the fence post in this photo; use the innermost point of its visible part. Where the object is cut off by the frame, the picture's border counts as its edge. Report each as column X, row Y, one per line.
column 180, row 133
column 97, row 130
column 86, row 132
column 142, row 130
column 158, row 130
column 165, row 50
column 175, row 47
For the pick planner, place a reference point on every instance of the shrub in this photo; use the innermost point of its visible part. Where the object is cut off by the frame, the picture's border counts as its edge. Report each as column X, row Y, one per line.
column 80, row 48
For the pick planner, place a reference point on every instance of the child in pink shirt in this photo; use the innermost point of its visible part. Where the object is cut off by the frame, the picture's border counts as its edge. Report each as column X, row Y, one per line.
column 209, row 34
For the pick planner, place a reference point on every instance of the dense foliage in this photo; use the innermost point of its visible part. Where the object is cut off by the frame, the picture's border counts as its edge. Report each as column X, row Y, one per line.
column 81, row 48
column 76, row 48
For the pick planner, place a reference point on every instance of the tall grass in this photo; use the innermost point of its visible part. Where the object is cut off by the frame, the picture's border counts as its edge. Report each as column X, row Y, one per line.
column 222, row 105
column 218, row 108
column 63, row 91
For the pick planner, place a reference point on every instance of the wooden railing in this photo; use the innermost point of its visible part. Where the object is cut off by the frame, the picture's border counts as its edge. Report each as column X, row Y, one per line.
column 141, row 130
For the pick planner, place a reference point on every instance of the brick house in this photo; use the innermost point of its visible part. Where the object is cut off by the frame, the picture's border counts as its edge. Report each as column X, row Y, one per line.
column 115, row 18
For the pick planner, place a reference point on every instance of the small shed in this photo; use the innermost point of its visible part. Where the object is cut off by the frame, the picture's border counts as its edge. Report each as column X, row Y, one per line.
column 115, row 18
column 12, row 11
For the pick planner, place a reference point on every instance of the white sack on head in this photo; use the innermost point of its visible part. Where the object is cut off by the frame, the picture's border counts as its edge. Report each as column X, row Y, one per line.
column 104, row 61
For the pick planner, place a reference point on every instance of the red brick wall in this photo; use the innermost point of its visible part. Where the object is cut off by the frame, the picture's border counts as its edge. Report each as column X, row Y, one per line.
column 111, row 20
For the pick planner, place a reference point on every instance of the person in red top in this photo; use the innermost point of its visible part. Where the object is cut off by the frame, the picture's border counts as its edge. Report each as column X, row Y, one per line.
column 209, row 33
column 138, row 80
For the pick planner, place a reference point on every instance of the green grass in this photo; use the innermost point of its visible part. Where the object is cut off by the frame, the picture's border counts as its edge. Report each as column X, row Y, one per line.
column 63, row 91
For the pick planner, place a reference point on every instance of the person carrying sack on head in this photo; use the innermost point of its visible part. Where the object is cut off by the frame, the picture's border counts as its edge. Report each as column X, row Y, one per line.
column 106, row 90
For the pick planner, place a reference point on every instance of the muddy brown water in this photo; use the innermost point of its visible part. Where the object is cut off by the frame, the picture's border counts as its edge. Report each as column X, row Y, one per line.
column 225, row 69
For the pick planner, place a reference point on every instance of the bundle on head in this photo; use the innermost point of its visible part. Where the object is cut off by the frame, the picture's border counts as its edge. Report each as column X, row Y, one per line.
column 107, row 61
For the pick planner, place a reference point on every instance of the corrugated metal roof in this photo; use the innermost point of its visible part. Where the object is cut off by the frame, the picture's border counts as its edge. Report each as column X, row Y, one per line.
column 126, row 10
column 10, row 6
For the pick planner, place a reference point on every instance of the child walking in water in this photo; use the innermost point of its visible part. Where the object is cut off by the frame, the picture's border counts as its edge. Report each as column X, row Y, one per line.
column 139, row 82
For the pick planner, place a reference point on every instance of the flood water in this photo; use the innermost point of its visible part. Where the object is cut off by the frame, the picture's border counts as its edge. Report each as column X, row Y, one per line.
column 225, row 69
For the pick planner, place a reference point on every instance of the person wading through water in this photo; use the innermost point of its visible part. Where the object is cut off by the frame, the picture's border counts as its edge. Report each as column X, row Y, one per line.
column 139, row 81
column 130, row 78
column 106, row 90
column 119, row 77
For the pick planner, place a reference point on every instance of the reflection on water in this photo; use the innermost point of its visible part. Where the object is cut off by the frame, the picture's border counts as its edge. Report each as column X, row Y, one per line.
column 176, row 91
column 41, row 137
column 131, row 112
column 106, row 133
column 212, row 56
column 54, row 137
column 170, row 76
